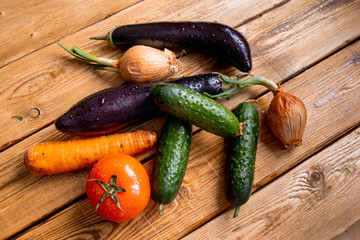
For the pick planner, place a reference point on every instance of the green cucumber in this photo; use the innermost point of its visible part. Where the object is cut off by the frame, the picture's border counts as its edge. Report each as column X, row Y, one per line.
column 170, row 161
column 240, row 163
column 195, row 108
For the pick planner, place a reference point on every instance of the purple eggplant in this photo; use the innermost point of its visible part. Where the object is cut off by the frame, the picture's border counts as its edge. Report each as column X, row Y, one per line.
column 218, row 40
column 111, row 109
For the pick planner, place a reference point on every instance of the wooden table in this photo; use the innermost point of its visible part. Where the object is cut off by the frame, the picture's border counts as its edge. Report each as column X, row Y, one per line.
column 310, row 47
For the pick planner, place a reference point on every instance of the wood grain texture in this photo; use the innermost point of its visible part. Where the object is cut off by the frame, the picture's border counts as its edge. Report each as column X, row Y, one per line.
column 316, row 200
column 50, row 80
column 305, row 26
column 32, row 25
column 45, row 85
column 53, row 88
column 202, row 195
column 352, row 232
column 19, row 189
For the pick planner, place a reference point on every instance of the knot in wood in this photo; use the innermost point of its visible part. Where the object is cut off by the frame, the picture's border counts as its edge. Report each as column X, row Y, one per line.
column 183, row 192
column 356, row 58
column 316, row 179
column 34, row 112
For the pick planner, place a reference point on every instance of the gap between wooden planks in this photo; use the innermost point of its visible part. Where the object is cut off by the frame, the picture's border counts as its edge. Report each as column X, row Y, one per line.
column 352, row 232
column 318, row 199
column 30, row 25
column 56, row 203
column 321, row 51
column 51, row 76
column 202, row 196
column 43, row 87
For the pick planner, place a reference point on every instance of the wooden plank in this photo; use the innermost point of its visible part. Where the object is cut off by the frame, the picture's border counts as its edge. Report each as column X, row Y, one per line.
column 305, row 28
column 317, row 200
column 51, row 76
column 353, row 232
column 202, row 195
column 42, row 210
column 45, row 85
column 18, row 185
column 34, row 24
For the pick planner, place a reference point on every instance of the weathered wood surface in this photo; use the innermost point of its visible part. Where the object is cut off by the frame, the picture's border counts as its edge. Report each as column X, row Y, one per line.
column 322, row 192
column 352, row 232
column 31, row 25
column 285, row 40
column 202, row 196
column 51, row 76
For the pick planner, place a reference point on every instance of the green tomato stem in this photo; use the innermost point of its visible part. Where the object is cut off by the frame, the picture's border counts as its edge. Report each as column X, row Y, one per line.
column 110, row 190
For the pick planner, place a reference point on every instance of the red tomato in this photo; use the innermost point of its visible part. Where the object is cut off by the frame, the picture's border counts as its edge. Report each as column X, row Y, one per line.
column 125, row 180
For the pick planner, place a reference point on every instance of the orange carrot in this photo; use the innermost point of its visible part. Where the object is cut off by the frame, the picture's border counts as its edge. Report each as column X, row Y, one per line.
column 57, row 157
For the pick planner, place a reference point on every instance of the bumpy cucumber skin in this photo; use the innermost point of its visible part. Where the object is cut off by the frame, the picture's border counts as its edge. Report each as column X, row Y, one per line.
column 240, row 164
column 171, row 160
column 195, row 108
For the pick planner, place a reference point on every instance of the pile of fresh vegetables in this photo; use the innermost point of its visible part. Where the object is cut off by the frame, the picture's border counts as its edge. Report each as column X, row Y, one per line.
column 118, row 186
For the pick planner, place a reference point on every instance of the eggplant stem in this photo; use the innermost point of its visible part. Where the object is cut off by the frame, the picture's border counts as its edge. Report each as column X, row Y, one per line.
column 240, row 84
column 98, row 38
column 106, row 37
column 226, row 94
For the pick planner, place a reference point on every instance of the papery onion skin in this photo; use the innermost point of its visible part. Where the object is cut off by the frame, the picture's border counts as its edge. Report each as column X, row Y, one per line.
column 147, row 64
column 287, row 118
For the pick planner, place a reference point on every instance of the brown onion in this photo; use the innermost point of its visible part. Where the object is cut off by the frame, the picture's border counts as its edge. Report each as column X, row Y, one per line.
column 144, row 64
column 286, row 115
column 138, row 64
column 286, row 118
